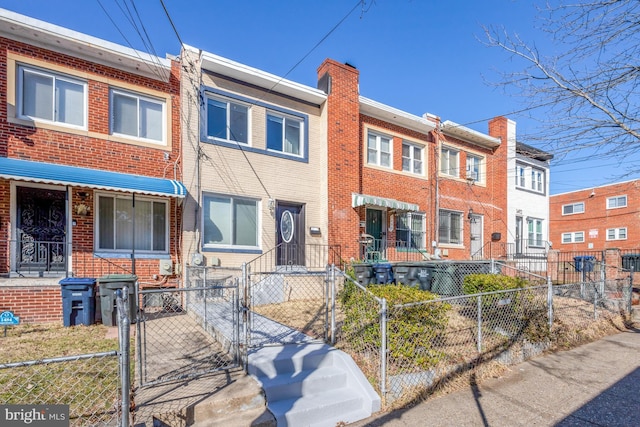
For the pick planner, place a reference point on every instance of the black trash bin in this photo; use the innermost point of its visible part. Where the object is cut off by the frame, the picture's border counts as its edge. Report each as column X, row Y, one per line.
column 78, row 301
column 108, row 285
column 364, row 274
column 584, row 263
column 383, row 272
column 415, row 274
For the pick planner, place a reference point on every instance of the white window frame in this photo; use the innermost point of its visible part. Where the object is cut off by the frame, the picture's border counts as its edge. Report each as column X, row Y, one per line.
column 228, row 137
column 479, row 164
column 55, row 77
column 375, row 153
column 441, row 227
column 614, row 202
column 138, row 97
column 534, row 229
column 129, row 198
column 232, row 245
column 411, row 160
column 573, row 210
column 619, row 233
column 537, row 180
column 520, row 176
column 286, row 118
column 573, row 237
column 410, row 219
column 446, row 166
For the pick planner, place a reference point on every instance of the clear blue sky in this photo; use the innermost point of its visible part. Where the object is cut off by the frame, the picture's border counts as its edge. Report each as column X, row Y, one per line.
column 416, row 55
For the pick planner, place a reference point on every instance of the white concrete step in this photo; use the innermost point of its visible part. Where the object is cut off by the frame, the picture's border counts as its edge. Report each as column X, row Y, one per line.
column 312, row 385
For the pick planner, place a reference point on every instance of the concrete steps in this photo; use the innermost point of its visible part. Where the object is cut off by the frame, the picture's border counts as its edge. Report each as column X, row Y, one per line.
column 312, row 385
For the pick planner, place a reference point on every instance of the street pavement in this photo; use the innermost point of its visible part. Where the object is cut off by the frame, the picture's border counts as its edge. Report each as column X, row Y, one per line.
column 597, row 384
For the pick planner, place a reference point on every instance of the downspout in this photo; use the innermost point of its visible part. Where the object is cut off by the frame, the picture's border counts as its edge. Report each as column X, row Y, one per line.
column 436, row 216
column 133, row 248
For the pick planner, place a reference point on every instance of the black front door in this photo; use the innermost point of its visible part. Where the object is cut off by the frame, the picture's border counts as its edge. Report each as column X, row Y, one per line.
column 290, row 231
column 40, row 227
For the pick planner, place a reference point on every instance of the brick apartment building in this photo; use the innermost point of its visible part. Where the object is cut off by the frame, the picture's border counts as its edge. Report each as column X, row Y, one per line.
column 403, row 186
column 89, row 164
column 598, row 218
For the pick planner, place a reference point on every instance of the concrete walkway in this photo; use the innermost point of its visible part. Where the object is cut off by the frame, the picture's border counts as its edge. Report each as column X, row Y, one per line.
column 597, row 384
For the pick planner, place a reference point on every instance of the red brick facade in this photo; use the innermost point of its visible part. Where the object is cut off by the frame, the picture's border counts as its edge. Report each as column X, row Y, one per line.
column 348, row 172
column 93, row 148
column 596, row 217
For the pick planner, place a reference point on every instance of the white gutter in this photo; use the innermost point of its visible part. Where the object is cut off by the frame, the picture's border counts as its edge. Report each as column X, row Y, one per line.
column 469, row 135
column 393, row 115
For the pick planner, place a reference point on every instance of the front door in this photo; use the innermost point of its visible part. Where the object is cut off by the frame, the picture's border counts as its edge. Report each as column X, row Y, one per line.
column 518, row 235
column 290, row 230
column 40, row 230
column 476, row 236
column 375, row 227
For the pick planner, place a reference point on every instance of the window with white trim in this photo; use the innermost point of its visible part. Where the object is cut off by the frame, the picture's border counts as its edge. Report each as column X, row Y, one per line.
column 617, row 202
column 520, row 178
column 227, row 120
column 410, row 230
column 449, row 162
column 52, row 97
column 573, row 208
column 230, row 222
column 474, row 168
column 379, row 148
column 537, row 180
column 450, row 227
column 534, row 227
column 118, row 230
column 137, row 116
column 617, row 233
column 285, row 134
column 573, row 237
column 412, row 158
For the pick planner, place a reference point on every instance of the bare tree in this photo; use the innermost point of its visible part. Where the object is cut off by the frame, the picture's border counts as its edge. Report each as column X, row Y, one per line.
column 590, row 90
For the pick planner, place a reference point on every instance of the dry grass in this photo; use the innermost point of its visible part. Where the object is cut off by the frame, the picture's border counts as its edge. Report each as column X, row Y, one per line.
column 306, row 316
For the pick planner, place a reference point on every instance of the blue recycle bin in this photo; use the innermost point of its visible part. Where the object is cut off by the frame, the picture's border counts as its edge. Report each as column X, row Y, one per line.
column 584, row 263
column 383, row 272
column 78, row 301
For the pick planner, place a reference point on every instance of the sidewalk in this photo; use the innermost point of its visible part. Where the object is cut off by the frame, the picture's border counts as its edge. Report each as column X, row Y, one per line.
column 597, row 384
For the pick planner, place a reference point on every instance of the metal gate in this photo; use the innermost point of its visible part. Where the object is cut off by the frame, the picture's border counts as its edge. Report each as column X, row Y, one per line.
column 289, row 305
column 189, row 331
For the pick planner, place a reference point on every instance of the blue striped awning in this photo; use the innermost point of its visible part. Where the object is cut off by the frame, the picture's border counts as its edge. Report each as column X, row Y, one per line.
column 49, row 173
column 363, row 199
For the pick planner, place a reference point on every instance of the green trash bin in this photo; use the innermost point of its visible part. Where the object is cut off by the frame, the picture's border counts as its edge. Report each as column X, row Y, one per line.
column 108, row 285
column 444, row 280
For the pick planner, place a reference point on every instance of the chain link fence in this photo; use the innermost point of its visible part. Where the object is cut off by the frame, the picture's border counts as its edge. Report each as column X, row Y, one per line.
column 186, row 332
column 406, row 350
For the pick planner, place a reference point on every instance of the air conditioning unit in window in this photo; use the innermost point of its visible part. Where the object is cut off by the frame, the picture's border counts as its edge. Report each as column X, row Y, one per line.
column 197, row 260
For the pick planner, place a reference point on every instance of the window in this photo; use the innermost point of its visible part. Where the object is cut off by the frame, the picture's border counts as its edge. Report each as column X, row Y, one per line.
column 410, row 230
column 450, row 227
column 535, row 232
column 227, row 120
column 536, row 180
column 117, row 229
column 573, row 237
column 573, row 208
column 449, row 162
column 47, row 96
column 137, row 116
column 617, row 233
column 520, row 180
column 230, row 222
column 616, row 202
column 473, row 167
column 412, row 158
column 284, row 134
column 378, row 150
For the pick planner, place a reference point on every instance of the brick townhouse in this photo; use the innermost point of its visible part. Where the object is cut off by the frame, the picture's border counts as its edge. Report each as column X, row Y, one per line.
column 89, row 164
column 402, row 186
column 596, row 218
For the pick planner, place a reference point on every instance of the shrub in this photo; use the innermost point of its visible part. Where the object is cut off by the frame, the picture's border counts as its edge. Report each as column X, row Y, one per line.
column 412, row 331
column 479, row 283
